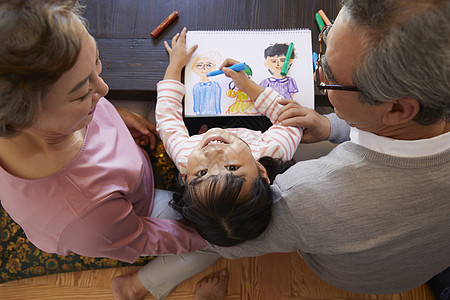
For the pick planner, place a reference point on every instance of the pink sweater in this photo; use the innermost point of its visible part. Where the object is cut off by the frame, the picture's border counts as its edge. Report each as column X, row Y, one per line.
column 100, row 204
column 277, row 142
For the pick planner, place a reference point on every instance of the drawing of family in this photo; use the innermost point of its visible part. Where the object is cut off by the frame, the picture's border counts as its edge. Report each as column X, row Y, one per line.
column 207, row 92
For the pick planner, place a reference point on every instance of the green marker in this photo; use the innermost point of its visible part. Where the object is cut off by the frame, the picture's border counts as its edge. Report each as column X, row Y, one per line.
column 285, row 67
column 319, row 21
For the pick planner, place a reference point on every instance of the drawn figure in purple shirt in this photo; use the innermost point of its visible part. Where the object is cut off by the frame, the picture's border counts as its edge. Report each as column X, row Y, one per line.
column 275, row 56
column 206, row 93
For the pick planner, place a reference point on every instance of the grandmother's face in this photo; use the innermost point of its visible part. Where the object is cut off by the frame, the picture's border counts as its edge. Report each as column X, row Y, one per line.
column 70, row 104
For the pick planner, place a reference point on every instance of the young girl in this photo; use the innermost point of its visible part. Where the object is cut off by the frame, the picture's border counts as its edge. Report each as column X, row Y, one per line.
column 225, row 191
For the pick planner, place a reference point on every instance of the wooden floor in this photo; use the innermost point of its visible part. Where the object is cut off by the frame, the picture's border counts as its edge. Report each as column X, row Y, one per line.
column 269, row 277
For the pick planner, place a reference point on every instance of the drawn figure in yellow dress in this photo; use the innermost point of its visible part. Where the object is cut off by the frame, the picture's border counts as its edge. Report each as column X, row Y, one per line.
column 242, row 104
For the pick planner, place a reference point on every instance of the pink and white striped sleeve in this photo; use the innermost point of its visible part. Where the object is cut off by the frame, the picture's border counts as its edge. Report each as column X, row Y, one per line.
column 280, row 141
column 169, row 118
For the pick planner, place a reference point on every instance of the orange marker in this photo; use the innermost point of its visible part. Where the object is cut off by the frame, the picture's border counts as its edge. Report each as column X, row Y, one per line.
column 324, row 17
column 164, row 24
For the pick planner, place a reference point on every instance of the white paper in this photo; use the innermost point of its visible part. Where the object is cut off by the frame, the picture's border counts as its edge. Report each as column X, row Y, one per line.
column 249, row 47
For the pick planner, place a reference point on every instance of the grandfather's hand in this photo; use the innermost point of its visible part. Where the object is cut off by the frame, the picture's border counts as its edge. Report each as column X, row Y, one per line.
column 316, row 127
column 141, row 130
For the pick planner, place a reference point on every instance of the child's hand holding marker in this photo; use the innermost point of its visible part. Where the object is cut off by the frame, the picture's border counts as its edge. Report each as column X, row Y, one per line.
column 248, row 86
column 237, row 67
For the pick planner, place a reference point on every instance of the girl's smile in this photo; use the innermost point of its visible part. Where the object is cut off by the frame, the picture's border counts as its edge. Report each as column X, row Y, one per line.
column 221, row 152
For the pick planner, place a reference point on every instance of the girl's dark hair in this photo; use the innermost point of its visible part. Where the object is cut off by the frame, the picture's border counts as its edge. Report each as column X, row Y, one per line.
column 275, row 166
column 215, row 211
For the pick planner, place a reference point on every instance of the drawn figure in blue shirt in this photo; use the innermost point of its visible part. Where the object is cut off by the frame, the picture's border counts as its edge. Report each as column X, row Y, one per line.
column 275, row 56
column 206, row 93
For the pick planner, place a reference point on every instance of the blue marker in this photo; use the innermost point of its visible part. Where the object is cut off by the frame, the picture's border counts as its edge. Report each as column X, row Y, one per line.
column 236, row 68
column 315, row 58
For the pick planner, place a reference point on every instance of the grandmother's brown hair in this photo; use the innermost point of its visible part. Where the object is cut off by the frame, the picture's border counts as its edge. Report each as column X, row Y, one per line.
column 41, row 39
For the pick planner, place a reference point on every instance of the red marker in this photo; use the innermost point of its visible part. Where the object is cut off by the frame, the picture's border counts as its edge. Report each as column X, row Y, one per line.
column 164, row 24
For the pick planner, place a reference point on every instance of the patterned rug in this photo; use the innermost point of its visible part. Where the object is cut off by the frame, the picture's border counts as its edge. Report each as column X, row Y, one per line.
column 21, row 259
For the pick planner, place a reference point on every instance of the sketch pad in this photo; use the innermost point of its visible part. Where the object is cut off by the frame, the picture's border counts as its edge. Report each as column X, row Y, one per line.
column 219, row 96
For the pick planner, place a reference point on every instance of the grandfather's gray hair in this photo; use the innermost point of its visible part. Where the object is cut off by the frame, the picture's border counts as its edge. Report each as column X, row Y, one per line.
column 407, row 53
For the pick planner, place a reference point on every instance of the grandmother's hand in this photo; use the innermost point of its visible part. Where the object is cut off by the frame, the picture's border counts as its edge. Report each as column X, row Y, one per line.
column 141, row 130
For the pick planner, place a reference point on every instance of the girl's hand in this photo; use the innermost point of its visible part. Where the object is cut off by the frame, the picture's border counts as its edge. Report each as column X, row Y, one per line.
column 141, row 130
column 178, row 55
column 241, row 80
column 316, row 127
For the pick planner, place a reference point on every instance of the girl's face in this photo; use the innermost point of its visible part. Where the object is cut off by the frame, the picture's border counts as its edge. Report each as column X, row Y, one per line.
column 221, row 152
column 70, row 103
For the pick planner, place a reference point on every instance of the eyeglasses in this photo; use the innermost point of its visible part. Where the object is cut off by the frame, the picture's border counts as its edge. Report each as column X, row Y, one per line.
column 322, row 86
column 205, row 66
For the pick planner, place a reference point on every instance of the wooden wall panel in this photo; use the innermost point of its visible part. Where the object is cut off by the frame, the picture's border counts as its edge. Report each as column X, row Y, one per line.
column 132, row 60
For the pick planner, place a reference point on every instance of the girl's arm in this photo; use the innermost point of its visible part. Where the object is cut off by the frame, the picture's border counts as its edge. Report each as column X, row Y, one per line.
column 280, row 141
column 169, row 118
column 248, row 86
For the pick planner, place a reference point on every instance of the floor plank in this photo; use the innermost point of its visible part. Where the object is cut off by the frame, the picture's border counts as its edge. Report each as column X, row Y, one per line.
column 271, row 277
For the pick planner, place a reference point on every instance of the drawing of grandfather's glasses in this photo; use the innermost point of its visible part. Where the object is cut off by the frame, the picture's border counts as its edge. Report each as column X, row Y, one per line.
column 205, row 66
